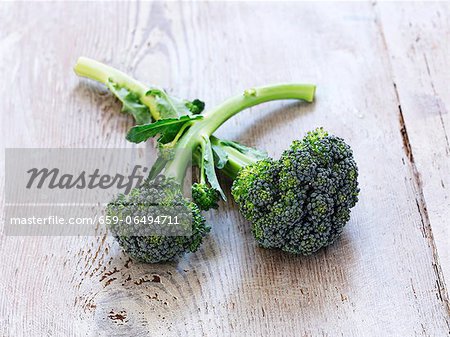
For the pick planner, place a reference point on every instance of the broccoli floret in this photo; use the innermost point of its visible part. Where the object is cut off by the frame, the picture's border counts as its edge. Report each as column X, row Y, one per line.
column 205, row 196
column 301, row 202
column 155, row 223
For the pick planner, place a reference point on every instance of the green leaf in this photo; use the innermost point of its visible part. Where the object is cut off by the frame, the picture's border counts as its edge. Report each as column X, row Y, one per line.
column 130, row 103
column 172, row 107
column 220, row 156
column 249, row 151
column 210, row 170
column 166, row 128
column 168, row 107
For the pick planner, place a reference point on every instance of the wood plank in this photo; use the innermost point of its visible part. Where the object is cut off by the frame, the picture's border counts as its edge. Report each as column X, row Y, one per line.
column 378, row 278
column 418, row 40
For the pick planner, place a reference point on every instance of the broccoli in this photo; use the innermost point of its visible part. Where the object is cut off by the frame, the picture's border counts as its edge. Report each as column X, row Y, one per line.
column 301, row 202
column 183, row 129
column 153, row 241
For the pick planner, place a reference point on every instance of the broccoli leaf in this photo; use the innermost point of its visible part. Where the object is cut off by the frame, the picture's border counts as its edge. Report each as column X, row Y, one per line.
column 130, row 103
column 171, row 107
column 220, row 156
column 249, row 151
column 168, row 107
column 166, row 128
column 210, row 170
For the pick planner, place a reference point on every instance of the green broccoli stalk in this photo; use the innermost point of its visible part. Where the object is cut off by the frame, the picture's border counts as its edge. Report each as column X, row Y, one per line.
column 197, row 136
column 180, row 124
column 144, row 103
column 182, row 130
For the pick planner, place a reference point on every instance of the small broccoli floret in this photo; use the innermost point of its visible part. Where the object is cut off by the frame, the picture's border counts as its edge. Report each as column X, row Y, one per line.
column 205, row 196
column 254, row 187
column 155, row 223
column 301, row 202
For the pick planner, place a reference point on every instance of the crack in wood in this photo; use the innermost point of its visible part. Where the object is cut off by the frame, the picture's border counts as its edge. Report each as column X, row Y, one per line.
column 417, row 182
column 404, row 133
column 426, row 228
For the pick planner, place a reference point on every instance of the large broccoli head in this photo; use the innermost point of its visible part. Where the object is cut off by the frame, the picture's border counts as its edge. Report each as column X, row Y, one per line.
column 301, row 202
column 156, row 223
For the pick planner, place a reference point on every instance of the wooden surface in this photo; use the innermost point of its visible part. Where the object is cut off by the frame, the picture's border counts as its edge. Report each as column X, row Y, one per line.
column 382, row 71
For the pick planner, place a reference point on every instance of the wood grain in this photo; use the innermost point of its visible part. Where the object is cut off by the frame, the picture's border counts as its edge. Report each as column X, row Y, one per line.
column 382, row 277
column 420, row 64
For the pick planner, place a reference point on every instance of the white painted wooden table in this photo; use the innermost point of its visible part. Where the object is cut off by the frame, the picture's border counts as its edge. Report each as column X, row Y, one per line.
column 383, row 74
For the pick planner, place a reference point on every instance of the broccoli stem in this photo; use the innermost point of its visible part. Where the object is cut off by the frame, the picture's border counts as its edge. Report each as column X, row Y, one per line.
column 201, row 130
column 214, row 118
column 236, row 159
column 202, row 165
column 251, row 97
column 102, row 73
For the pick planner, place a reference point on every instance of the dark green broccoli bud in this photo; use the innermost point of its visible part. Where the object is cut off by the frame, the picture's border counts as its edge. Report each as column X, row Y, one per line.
column 301, row 202
column 205, row 196
column 155, row 223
